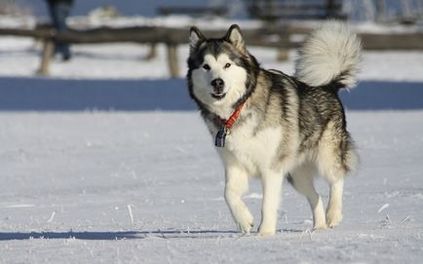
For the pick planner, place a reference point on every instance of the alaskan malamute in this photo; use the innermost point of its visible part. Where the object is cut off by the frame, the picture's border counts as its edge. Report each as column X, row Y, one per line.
column 267, row 124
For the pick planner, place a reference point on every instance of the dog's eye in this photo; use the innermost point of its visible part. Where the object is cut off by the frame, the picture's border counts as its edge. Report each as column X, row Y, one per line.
column 227, row 65
column 206, row 67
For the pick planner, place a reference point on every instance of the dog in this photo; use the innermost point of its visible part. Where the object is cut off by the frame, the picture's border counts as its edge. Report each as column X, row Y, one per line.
column 269, row 125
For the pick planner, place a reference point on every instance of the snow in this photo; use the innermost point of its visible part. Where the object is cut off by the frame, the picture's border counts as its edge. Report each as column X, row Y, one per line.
column 107, row 161
column 68, row 183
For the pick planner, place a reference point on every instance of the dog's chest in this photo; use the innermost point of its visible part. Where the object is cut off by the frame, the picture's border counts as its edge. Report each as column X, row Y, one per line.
column 253, row 146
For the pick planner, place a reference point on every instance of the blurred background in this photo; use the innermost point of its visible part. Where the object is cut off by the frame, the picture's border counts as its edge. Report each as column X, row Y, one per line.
column 69, row 41
column 356, row 9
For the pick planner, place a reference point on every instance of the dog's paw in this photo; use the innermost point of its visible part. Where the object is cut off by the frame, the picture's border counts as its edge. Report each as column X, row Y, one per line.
column 265, row 232
column 245, row 228
column 320, row 223
column 333, row 218
column 245, row 223
column 267, row 229
column 320, row 226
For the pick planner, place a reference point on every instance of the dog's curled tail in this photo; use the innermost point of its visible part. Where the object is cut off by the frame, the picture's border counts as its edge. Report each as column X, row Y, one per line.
column 330, row 56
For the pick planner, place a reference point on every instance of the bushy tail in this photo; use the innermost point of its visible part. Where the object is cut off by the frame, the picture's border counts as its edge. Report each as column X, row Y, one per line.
column 329, row 56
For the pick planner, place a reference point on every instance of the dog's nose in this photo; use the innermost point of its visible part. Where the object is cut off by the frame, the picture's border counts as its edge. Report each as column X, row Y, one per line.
column 218, row 83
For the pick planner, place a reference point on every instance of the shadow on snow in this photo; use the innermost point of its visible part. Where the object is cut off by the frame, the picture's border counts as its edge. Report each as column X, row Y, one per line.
column 44, row 94
column 121, row 235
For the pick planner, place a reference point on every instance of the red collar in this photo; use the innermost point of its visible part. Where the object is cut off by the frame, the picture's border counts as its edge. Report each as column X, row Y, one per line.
column 219, row 140
column 228, row 124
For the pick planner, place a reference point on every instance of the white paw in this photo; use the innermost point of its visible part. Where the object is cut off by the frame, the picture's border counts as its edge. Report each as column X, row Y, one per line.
column 333, row 218
column 267, row 229
column 264, row 232
column 320, row 222
column 245, row 222
column 320, row 226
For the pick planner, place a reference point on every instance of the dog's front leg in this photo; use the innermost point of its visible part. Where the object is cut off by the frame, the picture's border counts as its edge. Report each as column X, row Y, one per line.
column 236, row 186
column 272, row 187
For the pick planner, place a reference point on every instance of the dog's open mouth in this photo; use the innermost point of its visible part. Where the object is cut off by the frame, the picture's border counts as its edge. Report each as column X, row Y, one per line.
column 218, row 96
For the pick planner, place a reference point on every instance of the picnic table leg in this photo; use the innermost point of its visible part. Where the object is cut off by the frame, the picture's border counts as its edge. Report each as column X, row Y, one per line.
column 152, row 52
column 283, row 51
column 283, row 54
column 48, row 47
column 172, row 59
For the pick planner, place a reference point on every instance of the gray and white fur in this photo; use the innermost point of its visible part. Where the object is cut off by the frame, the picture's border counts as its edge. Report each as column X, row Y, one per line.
column 290, row 127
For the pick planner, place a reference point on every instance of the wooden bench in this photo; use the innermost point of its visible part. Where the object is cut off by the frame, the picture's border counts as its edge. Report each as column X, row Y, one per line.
column 278, row 38
column 171, row 37
column 271, row 10
column 193, row 11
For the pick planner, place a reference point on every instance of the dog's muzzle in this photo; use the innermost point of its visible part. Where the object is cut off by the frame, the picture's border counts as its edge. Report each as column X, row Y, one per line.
column 218, row 88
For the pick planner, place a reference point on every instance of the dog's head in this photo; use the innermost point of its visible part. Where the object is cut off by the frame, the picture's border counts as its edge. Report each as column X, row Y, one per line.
column 220, row 71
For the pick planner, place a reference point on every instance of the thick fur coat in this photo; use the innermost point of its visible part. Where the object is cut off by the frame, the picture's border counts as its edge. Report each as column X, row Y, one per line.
column 290, row 127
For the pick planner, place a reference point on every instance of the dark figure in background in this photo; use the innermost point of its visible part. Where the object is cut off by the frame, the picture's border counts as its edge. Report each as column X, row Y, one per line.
column 59, row 11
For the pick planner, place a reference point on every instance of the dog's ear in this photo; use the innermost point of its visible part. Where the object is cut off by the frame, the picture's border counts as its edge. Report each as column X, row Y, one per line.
column 234, row 36
column 195, row 38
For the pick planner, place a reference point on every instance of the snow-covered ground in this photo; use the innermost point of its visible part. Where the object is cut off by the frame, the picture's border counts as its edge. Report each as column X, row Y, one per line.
column 146, row 186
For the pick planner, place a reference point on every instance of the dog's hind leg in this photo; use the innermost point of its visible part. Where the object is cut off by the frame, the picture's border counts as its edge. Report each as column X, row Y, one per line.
column 302, row 180
column 331, row 168
column 237, row 185
column 334, row 211
column 334, row 169
column 336, row 158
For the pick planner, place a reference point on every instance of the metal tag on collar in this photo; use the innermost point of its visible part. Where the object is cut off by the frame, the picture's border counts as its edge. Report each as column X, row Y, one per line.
column 220, row 138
